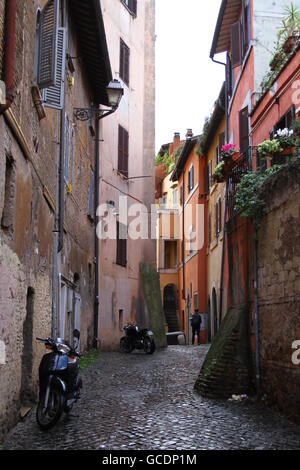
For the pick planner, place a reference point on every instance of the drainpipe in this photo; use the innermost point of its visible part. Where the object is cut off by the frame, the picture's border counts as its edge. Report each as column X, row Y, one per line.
column 97, row 191
column 226, row 99
column 54, row 330
column 182, row 250
column 62, row 158
column 9, row 52
column 255, row 268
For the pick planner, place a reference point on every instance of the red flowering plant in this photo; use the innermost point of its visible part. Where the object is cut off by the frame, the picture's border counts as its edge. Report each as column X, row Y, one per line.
column 228, row 151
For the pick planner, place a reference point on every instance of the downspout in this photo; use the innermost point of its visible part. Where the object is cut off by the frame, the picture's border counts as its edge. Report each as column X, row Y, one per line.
column 9, row 52
column 97, row 192
column 255, row 268
column 62, row 157
column 182, row 251
column 226, row 194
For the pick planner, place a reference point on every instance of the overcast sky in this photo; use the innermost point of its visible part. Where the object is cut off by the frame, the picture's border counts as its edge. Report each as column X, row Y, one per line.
column 187, row 81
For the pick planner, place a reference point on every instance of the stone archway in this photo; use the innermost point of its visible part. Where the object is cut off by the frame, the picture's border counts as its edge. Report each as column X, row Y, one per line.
column 171, row 307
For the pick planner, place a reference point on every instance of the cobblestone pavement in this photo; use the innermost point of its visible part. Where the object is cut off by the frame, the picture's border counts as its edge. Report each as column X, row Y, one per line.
column 147, row 402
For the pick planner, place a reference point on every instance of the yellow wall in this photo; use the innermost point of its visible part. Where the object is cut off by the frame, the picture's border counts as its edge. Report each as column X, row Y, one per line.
column 214, row 251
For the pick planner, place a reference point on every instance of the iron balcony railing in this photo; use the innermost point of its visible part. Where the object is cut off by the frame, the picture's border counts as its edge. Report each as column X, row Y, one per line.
column 249, row 161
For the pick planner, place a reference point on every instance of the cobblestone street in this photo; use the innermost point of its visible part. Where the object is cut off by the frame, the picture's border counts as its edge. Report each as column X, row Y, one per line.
column 147, row 402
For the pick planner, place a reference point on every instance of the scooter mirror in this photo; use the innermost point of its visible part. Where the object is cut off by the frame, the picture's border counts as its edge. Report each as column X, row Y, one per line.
column 76, row 334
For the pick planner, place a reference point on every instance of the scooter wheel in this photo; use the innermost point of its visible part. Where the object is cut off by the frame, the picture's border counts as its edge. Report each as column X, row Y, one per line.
column 125, row 346
column 46, row 419
column 149, row 346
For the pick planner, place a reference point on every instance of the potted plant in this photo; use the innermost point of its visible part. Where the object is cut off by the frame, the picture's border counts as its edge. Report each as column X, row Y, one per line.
column 287, row 140
column 229, row 152
column 268, row 148
column 291, row 28
column 296, row 127
column 219, row 176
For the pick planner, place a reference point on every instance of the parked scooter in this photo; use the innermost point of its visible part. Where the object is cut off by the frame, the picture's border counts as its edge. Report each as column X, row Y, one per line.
column 59, row 382
column 137, row 339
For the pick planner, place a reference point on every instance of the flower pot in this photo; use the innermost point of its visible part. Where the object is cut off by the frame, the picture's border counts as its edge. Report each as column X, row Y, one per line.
column 288, row 150
column 219, row 178
column 289, row 44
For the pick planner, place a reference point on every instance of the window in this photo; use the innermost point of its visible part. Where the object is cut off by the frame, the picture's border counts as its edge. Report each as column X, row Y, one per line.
column 209, row 229
column 121, row 244
column 209, row 175
column 244, row 129
column 124, row 62
column 131, row 5
column 123, row 151
column 175, row 197
column 218, row 217
column 47, row 44
column 240, row 36
column 91, row 204
column 191, row 178
column 285, row 121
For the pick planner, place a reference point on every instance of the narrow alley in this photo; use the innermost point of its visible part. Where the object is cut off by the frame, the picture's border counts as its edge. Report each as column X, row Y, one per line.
column 138, row 402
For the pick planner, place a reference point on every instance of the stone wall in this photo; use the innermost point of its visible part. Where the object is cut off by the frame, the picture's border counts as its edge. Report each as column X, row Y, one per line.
column 2, row 17
column 279, row 290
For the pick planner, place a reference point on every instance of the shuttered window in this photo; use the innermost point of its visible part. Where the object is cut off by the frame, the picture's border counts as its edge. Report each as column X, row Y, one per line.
column 246, row 26
column 91, row 206
column 209, row 229
column 209, row 175
column 121, row 244
column 123, row 151
column 53, row 96
column 244, row 129
column 236, row 45
column 205, row 180
column 124, row 62
column 48, row 35
column 191, row 178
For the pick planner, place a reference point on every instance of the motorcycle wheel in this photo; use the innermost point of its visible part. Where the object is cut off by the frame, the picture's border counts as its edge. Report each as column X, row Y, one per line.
column 125, row 346
column 149, row 346
column 46, row 419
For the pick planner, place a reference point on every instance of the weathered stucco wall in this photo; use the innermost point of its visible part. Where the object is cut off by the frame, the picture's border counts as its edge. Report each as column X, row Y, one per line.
column 279, row 290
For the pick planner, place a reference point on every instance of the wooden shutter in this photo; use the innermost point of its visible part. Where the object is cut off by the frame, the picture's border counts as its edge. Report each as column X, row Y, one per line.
column 209, row 229
column 123, row 151
column 209, row 175
column 205, row 180
column 124, row 62
column 221, row 141
column 220, row 215
column 46, row 75
column 244, row 129
column 236, row 44
column 216, row 220
column 134, row 7
column 54, row 96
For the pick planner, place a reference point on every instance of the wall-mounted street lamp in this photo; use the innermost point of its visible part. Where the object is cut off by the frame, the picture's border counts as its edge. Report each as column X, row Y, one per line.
column 115, row 92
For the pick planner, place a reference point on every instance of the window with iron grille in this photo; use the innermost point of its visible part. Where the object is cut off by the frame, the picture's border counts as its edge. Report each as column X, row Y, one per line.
column 121, row 244
column 124, row 62
column 123, row 146
column 131, row 5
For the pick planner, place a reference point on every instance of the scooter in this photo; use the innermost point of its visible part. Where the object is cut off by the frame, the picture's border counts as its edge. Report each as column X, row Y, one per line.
column 137, row 339
column 58, row 381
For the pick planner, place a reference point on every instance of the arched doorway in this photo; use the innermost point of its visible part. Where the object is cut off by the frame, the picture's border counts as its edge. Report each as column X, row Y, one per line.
column 215, row 310
column 170, row 307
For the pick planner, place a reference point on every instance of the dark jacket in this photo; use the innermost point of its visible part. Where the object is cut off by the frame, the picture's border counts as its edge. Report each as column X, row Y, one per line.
column 196, row 320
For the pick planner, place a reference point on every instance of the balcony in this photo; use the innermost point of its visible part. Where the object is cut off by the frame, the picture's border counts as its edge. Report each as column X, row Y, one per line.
column 251, row 161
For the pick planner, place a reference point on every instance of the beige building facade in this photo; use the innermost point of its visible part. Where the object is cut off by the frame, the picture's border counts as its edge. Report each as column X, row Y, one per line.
column 127, row 167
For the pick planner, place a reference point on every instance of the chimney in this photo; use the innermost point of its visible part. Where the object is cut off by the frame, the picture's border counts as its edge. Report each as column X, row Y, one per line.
column 189, row 134
column 176, row 142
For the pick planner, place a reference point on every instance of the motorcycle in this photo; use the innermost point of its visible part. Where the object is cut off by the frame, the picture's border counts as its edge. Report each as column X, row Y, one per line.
column 137, row 339
column 58, row 381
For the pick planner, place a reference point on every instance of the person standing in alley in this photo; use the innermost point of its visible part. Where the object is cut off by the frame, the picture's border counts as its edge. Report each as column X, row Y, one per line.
column 196, row 326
